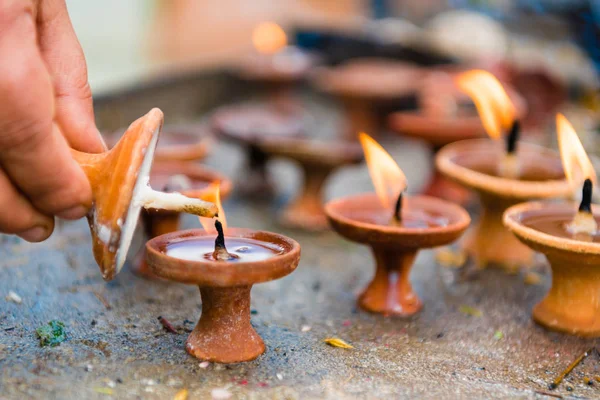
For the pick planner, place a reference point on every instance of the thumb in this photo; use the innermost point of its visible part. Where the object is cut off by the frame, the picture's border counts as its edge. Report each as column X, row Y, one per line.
column 65, row 61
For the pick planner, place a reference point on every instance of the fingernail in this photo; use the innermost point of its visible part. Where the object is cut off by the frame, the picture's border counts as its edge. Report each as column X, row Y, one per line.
column 73, row 213
column 103, row 141
column 36, row 234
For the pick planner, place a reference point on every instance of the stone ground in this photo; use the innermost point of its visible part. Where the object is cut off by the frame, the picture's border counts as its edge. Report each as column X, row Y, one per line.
column 117, row 348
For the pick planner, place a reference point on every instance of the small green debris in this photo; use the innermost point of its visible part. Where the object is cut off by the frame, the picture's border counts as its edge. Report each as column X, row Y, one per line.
column 104, row 390
column 51, row 334
column 498, row 335
column 472, row 311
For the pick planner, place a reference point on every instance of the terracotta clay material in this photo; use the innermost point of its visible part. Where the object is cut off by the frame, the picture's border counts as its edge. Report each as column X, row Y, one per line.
column 573, row 303
column 224, row 333
column 363, row 84
column 159, row 222
column 248, row 125
column 114, row 176
column 437, row 132
column 177, row 143
column 473, row 163
column 317, row 160
column 445, row 115
column 362, row 219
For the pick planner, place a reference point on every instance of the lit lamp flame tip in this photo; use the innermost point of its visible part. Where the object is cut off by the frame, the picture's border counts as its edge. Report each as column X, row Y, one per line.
column 577, row 167
column 387, row 177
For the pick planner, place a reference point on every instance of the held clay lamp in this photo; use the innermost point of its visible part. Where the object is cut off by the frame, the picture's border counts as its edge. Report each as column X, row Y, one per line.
column 501, row 176
column 569, row 238
column 248, row 125
column 191, row 180
column 317, row 159
column 225, row 276
column 119, row 180
column 395, row 233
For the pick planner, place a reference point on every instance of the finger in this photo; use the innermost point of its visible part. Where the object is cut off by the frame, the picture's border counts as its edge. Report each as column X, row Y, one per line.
column 18, row 216
column 33, row 152
column 66, row 63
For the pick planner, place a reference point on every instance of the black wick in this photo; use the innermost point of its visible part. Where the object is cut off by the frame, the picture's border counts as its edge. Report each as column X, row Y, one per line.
column 398, row 208
column 586, row 197
column 513, row 137
column 220, row 240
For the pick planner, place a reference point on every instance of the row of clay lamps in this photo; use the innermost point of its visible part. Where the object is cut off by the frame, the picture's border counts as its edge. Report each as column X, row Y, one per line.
column 267, row 133
column 364, row 85
column 278, row 73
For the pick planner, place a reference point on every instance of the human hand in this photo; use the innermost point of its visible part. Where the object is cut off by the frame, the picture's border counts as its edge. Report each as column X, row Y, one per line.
column 45, row 108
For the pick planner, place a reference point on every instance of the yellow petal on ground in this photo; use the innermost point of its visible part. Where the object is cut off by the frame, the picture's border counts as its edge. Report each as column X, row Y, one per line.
column 336, row 342
column 181, row 395
column 472, row 311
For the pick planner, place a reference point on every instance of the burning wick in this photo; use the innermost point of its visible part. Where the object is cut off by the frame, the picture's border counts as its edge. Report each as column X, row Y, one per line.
column 397, row 218
column 584, row 221
column 509, row 167
column 221, row 253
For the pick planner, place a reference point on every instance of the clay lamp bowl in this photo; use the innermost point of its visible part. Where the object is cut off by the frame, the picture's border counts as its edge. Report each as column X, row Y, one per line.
column 437, row 132
column 318, row 160
column 177, row 143
column 474, row 164
column 427, row 222
column 395, row 234
column 224, row 333
column 363, row 85
column 573, row 303
column 247, row 126
column 119, row 181
column 191, row 180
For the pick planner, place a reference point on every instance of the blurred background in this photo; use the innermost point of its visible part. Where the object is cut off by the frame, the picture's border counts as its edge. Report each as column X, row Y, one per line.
column 125, row 41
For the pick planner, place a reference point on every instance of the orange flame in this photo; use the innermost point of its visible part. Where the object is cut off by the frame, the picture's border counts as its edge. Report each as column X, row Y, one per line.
column 387, row 177
column 269, row 38
column 495, row 109
column 213, row 194
column 575, row 160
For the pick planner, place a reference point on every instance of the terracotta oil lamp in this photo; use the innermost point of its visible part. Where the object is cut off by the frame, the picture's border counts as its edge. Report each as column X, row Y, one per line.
column 503, row 174
column 317, row 159
column 225, row 270
column 119, row 181
column 363, row 85
column 445, row 115
column 177, row 143
column 191, row 180
column 248, row 125
column 442, row 118
column 394, row 233
column 275, row 64
column 569, row 238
